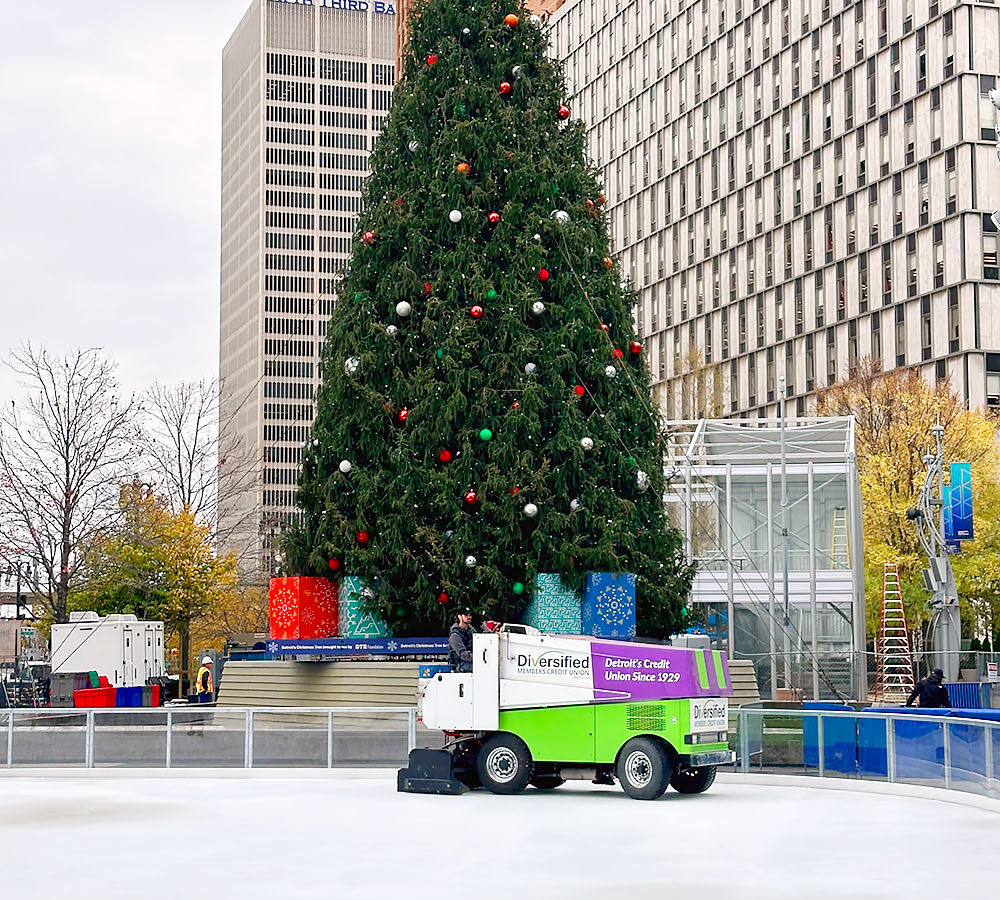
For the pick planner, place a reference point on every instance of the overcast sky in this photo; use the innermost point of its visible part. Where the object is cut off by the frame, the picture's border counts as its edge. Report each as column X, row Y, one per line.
column 109, row 181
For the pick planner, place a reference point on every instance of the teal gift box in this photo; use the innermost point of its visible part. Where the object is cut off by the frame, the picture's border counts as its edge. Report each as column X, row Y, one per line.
column 554, row 608
column 354, row 620
column 608, row 609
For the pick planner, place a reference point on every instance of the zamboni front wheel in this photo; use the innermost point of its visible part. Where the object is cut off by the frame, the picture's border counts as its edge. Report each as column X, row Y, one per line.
column 644, row 769
column 693, row 779
column 505, row 765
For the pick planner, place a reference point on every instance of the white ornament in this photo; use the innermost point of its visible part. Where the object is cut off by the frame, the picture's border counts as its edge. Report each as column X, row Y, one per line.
column 368, row 593
column 587, row 443
column 516, row 71
column 610, row 371
column 530, row 510
column 536, row 20
column 403, row 309
column 470, row 560
column 538, row 307
column 574, row 505
column 351, row 365
column 536, row 236
column 413, row 146
column 345, row 466
column 530, row 369
column 455, row 216
column 466, row 31
column 391, row 330
column 561, row 216
column 641, row 480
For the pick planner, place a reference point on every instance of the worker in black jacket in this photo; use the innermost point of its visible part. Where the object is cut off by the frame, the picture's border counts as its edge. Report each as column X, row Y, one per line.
column 460, row 641
column 930, row 691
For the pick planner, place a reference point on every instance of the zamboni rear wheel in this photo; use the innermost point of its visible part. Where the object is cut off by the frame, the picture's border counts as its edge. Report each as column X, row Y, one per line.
column 505, row 765
column 693, row 779
column 644, row 769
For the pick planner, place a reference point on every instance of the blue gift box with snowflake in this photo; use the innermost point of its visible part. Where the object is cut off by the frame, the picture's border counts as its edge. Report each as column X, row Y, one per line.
column 355, row 621
column 608, row 609
column 554, row 608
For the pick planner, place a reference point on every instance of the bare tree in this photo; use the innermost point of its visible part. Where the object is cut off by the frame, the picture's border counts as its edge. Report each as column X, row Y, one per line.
column 197, row 464
column 63, row 457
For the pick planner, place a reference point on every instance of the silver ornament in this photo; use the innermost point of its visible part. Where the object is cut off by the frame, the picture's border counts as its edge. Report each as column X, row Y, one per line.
column 561, row 216
column 536, row 20
column 351, row 365
column 516, row 71
column 368, row 593
column 610, row 371
column 587, row 443
column 391, row 330
column 345, row 466
column 537, row 237
column 466, row 31
column 538, row 307
column 574, row 505
column 413, row 146
column 455, row 216
column 471, row 561
column 530, row 510
column 530, row 369
column 641, row 480
column 403, row 309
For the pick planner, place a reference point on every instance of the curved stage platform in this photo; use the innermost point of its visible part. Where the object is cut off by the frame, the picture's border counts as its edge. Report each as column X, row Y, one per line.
column 349, row 834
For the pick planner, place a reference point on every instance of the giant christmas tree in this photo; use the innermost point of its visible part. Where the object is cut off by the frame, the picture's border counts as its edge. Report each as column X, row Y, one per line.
column 485, row 410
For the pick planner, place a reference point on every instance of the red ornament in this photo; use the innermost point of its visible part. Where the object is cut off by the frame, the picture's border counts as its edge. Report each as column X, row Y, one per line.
column 543, row 274
column 608, row 263
column 564, row 112
column 617, row 354
column 442, row 598
column 494, row 217
column 402, row 414
column 362, row 537
column 590, row 204
column 335, row 564
column 431, row 59
column 516, row 404
column 471, row 497
column 601, row 200
column 605, row 327
column 445, row 456
column 476, row 312
column 515, row 490
column 368, row 237
column 427, row 289
column 510, row 20
column 463, row 168
column 579, row 390
column 504, row 87
column 635, row 347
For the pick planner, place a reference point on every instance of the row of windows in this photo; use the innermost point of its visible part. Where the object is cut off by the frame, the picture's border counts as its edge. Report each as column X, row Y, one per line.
column 290, row 434
column 290, row 136
column 291, row 284
column 289, row 178
column 283, row 368
column 348, row 161
column 340, row 202
column 341, row 120
column 281, row 476
column 286, row 64
column 335, row 95
column 338, row 182
column 349, row 141
column 294, row 199
column 283, row 241
column 299, row 305
column 291, row 114
column 381, row 100
column 291, row 455
column 288, row 326
column 295, row 412
column 335, row 245
column 290, row 91
column 289, row 220
column 383, row 73
column 279, row 498
column 343, row 70
column 337, row 223
column 285, row 262
column 282, row 157
column 288, row 390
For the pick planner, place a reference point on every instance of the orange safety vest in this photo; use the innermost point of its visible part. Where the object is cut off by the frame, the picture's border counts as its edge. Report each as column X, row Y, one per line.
column 202, row 672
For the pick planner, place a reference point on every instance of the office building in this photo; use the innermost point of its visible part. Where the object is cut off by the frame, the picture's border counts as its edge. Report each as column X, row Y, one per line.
column 795, row 185
column 306, row 89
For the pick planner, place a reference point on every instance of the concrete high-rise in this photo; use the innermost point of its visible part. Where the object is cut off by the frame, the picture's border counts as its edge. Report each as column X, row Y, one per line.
column 306, row 88
column 795, row 185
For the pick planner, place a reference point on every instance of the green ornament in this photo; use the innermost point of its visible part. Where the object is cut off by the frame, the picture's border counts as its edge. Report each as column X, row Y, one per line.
column 358, row 295
column 518, row 588
column 440, row 354
column 485, row 434
column 631, row 460
column 461, row 109
column 491, row 294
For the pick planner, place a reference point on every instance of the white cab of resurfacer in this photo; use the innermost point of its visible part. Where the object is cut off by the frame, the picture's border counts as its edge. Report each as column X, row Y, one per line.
column 466, row 701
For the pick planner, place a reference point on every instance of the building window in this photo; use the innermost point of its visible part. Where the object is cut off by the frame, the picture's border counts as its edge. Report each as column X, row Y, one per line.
column 953, row 320
column 937, row 233
column 925, row 328
column 876, row 328
column 987, row 112
column 993, row 380
column 991, row 272
column 900, row 337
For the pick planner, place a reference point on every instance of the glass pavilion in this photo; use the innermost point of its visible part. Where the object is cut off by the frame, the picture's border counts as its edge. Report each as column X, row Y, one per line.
column 794, row 605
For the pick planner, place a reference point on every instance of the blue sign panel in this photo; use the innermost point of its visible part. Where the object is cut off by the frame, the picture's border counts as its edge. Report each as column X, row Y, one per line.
column 369, row 646
column 961, row 502
column 949, row 521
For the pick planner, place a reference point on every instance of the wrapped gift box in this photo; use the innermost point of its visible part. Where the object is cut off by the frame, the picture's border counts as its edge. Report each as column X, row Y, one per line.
column 355, row 621
column 608, row 609
column 303, row 608
column 554, row 608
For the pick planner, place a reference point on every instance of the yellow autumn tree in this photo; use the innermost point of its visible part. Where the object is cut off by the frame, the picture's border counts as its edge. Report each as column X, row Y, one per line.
column 894, row 413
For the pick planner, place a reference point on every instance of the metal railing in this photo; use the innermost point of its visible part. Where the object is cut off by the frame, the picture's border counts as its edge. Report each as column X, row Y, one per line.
column 932, row 750
column 209, row 737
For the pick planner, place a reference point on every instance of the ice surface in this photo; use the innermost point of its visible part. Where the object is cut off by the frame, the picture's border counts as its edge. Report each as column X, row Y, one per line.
column 342, row 836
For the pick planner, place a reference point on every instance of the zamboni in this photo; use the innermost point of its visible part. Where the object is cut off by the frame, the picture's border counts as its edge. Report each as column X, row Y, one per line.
column 540, row 710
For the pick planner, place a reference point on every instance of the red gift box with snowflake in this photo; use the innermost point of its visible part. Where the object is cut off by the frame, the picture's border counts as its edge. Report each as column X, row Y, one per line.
column 303, row 608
